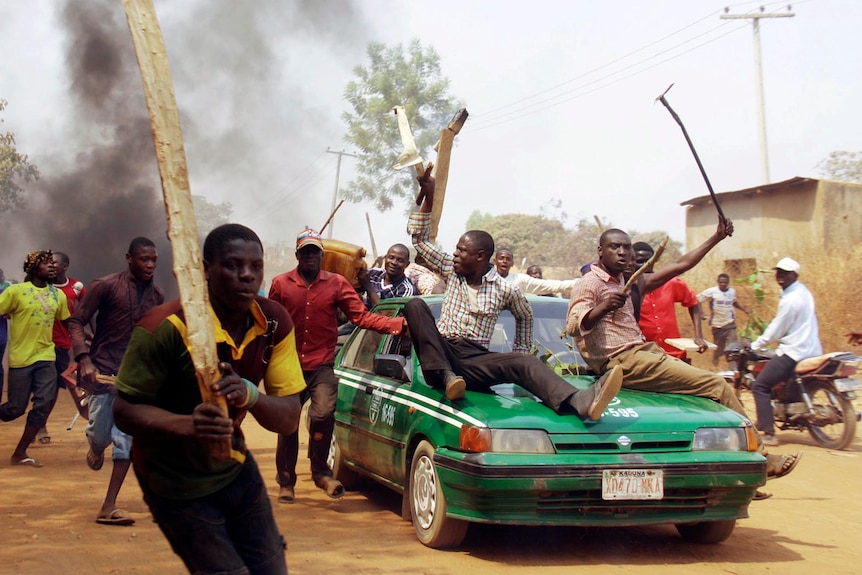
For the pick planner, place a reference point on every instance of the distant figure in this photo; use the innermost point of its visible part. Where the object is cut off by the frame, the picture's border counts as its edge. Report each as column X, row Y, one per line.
column 796, row 330
column 117, row 302
column 503, row 261
column 33, row 306
column 74, row 291
column 4, row 333
column 722, row 319
column 535, row 271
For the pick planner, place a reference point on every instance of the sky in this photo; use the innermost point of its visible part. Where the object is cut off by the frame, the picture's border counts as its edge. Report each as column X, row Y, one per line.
column 561, row 96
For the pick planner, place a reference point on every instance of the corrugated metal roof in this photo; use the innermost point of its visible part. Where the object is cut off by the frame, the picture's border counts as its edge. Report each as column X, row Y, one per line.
column 791, row 183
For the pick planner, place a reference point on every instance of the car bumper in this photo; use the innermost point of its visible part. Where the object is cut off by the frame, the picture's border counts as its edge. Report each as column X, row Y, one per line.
column 516, row 489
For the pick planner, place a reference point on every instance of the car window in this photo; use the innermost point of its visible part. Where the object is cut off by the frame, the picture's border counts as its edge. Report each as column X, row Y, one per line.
column 361, row 349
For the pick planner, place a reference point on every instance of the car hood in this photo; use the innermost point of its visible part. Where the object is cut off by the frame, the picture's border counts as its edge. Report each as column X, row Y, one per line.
column 510, row 407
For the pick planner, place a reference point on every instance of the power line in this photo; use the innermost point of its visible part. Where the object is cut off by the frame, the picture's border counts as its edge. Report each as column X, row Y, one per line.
column 527, row 111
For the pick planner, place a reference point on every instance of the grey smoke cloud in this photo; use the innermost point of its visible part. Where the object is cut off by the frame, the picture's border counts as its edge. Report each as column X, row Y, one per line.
column 248, row 78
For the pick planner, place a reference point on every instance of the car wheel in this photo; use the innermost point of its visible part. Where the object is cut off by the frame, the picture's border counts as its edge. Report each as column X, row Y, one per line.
column 348, row 478
column 428, row 504
column 707, row 532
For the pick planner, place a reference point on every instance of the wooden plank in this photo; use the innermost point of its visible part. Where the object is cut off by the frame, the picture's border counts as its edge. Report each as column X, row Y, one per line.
column 182, row 228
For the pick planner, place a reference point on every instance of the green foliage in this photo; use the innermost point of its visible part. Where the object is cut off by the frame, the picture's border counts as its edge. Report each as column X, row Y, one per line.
column 546, row 241
column 555, row 360
column 756, row 325
column 14, row 168
column 394, row 76
column 209, row 215
column 842, row 166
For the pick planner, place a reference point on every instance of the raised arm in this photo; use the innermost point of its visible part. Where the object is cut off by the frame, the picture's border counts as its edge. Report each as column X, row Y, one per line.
column 689, row 260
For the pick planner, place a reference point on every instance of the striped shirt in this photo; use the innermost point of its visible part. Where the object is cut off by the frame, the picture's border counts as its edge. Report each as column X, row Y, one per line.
column 614, row 333
column 402, row 288
column 474, row 317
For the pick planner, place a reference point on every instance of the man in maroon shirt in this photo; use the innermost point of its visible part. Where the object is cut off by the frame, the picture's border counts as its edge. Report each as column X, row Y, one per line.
column 312, row 297
column 117, row 301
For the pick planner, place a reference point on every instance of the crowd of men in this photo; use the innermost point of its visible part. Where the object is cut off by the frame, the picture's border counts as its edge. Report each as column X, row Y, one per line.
column 129, row 351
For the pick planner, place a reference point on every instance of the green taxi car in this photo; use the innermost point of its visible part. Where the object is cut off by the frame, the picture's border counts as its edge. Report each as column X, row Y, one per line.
column 503, row 457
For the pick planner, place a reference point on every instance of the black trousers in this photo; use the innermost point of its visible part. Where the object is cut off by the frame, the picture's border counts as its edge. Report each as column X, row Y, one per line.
column 776, row 370
column 479, row 367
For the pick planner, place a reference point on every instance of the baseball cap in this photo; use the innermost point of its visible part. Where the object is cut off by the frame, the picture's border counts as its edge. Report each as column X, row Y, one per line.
column 308, row 237
column 788, row 265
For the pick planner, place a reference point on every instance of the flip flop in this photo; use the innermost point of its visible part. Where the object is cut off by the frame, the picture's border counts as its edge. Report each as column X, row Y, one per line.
column 285, row 494
column 28, row 461
column 116, row 517
column 761, row 495
column 332, row 487
column 45, row 439
column 788, row 464
column 94, row 461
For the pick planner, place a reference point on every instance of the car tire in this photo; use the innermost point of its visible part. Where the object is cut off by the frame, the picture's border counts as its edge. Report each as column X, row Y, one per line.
column 348, row 478
column 706, row 532
column 428, row 504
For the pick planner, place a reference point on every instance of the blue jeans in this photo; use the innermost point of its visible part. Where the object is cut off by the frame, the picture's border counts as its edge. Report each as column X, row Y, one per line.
column 38, row 379
column 231, row 532
column 101, row 431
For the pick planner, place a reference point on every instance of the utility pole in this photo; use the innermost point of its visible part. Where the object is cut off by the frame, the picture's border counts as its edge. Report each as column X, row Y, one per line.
column 761, row 112
column 335, row 192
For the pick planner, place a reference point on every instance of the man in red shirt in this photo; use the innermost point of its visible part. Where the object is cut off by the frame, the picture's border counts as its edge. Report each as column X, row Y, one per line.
column 657, row 311
column 74, row 291
column 312, row 297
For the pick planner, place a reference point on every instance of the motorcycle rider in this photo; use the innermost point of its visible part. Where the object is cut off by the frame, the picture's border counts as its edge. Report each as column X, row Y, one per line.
column 796, row 331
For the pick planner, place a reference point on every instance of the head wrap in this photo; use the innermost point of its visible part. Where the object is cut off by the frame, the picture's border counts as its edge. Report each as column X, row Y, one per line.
column 35, row 258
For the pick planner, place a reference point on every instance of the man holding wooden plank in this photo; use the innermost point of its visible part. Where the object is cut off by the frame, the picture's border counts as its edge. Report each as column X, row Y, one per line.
column 215, row 514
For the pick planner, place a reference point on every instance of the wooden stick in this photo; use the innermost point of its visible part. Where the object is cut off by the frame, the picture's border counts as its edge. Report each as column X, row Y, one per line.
column 649, row 263
column 371, row 235
column 182, row 228
column 441, row 173
column 329, row 219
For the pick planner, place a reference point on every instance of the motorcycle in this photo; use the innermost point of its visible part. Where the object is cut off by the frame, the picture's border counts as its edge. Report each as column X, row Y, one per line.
column 817, row 397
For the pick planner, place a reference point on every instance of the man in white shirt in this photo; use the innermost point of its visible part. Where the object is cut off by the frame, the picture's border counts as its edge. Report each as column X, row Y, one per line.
column 722, row 319
column 503, row 260
column 796, row 331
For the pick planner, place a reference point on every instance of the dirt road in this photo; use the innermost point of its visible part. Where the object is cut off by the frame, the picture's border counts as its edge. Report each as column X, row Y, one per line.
column 47, row 525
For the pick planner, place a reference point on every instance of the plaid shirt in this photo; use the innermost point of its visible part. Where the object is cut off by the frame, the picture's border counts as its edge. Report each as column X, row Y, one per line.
column 615, row 332
column 459, row 318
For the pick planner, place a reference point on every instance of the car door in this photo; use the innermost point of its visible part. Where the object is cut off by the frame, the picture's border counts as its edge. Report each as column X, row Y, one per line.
column 369, row 410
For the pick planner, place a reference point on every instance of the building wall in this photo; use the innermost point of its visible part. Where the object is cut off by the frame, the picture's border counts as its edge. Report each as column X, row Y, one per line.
column 818, row 223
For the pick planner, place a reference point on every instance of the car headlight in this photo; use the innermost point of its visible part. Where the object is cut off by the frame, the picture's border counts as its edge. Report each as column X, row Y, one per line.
column 485, row 440
column 724, row 439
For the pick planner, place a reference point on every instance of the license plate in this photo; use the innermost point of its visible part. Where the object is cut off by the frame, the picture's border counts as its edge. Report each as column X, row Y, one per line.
column 632, row 484
column 847, row 384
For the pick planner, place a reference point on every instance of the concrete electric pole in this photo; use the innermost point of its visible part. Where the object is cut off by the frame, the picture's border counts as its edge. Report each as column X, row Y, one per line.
column 335, row 192
column 761, row 112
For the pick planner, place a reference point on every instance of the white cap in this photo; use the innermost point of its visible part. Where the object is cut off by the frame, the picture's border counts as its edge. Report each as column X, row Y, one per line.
column 787, row 264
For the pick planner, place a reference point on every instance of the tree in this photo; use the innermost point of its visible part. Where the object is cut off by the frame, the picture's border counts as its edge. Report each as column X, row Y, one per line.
column 209, row 215
column 411, row 78
column 842, row 166
column 14, row 169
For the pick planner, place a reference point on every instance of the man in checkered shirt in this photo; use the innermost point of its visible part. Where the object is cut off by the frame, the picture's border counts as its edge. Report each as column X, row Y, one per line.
column 454, row 353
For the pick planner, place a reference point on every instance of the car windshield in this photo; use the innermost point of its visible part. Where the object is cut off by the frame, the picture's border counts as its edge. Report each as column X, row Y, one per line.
column 549, row 327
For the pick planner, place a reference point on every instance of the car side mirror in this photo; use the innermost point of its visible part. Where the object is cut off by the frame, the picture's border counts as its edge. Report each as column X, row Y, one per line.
column 390, row 365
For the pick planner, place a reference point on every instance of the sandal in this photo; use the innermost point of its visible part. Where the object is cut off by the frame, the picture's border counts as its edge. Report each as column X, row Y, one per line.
column 115, row 517
column 761, row 495
column 94, row 461
column 332, row 487
column 785, row 464
column 285, row 494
